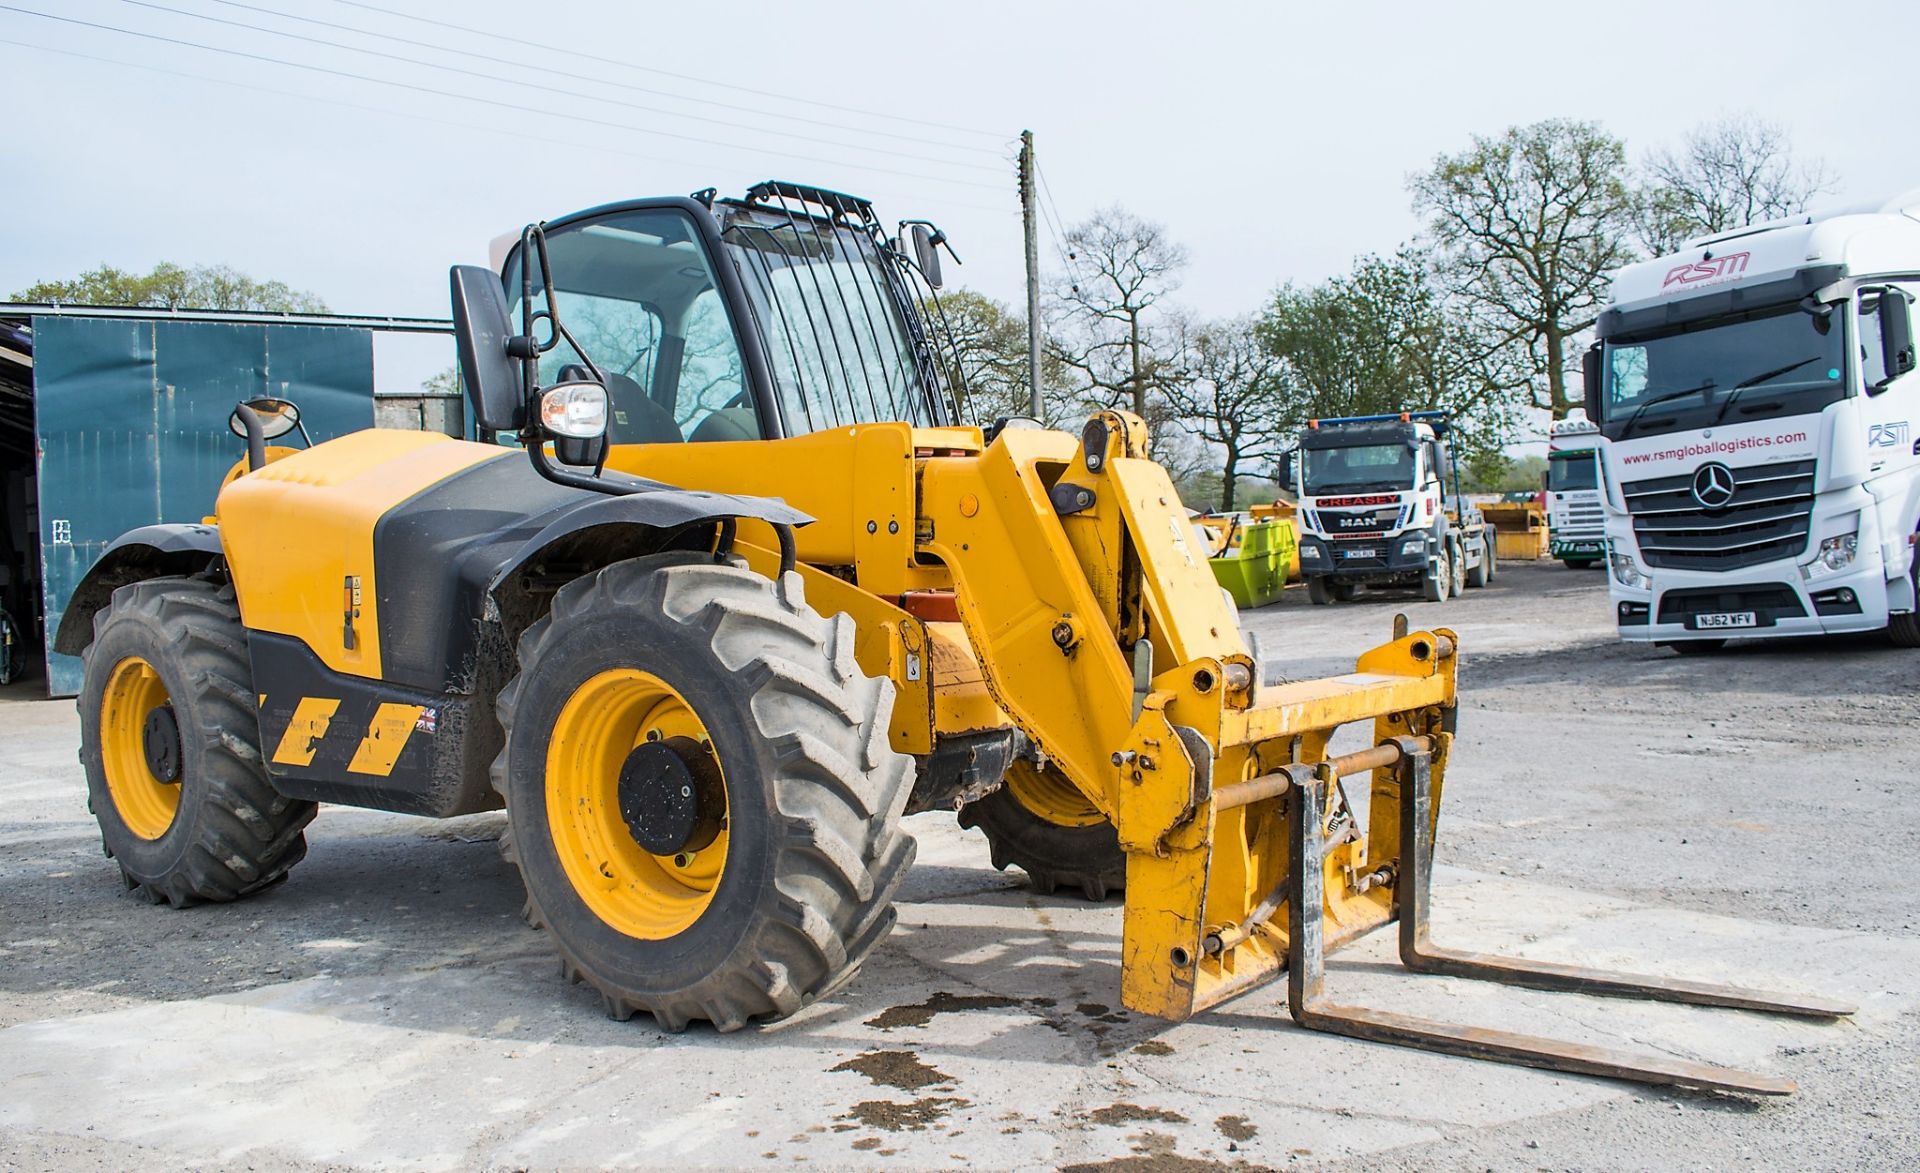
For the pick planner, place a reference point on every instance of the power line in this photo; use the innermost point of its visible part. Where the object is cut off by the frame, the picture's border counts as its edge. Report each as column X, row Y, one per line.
column 561, row 90
column 577, row 54
column 486, row 101
column 521, row 64
column 484, row 128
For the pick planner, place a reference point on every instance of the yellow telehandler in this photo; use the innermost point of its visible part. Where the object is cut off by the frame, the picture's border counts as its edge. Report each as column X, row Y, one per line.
column 722, row 591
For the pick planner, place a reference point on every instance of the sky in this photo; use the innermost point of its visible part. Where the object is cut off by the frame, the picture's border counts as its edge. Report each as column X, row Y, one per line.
column 1273, row 140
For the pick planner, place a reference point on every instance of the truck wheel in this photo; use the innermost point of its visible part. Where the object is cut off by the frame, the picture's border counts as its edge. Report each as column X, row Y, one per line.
column 700, row 796
column 1477, row 576
column 170, row 741
column 1903, row 631
column 1318, row 592
column 1346, row 592
column 1456, row 568
column 1435, row 582
column 1040, row 823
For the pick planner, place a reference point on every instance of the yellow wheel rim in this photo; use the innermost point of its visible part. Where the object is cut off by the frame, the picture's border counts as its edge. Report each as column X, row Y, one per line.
column 1047, row 794
column 640, row 894
column 145, row 804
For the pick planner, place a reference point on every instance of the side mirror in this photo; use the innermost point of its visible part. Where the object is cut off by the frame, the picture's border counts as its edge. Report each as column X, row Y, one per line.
column 1284, row 474
column 1590, row 376
column 926, row 252
column 1896, row 336
column 277, row 417
column 1543, row 482
column 484, row 335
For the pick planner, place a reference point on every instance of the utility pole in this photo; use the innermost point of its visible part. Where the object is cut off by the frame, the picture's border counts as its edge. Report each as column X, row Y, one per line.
column 1028, row 212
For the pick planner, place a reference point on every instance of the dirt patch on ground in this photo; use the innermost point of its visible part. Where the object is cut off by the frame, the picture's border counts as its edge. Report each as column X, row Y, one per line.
column 1153, row 1153
column 912, row 1116
column 1153, row 1047
column 1130, row 1113
column 940, row 1002
column 1236, row 1128
column 901, row 1069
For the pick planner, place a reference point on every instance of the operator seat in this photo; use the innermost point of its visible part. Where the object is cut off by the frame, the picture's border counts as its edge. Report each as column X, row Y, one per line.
column 728, row 423
column 635, row 418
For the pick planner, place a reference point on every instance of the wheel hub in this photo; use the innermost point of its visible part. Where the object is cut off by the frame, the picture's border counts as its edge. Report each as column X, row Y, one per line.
column 672, row 796
column 160, row 743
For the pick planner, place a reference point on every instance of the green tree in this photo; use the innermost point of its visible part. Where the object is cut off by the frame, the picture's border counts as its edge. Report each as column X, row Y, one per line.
column 1527, row 226
column 990, row 347
column 1382, row 339
column 1724, row 175
column 174, row 287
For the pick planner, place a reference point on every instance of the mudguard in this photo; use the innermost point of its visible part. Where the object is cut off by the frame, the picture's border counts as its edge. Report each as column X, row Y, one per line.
column 152, row 551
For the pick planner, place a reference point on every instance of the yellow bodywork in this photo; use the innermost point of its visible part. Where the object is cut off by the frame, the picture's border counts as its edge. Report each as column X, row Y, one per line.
column 1057, row 607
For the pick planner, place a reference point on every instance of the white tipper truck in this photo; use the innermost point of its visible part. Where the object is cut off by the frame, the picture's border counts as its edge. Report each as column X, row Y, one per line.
column 1757, row 404
column 1373, row 508
column 1576, row 525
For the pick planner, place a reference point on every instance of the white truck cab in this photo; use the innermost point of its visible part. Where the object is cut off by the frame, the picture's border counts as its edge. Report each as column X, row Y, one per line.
column 1373, row 508
column 1576, row 524
column 1757, row 410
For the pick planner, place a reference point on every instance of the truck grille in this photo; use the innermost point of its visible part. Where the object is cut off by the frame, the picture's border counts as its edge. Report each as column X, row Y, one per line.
column 1581, row 520
column 1766, row 519
column 1348, row 522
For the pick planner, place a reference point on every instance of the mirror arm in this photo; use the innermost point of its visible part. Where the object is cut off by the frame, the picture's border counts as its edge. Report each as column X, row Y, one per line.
column 256, row 437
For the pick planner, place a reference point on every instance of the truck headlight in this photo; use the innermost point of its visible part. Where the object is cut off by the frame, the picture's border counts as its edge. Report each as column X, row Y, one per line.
column 1309, row 552
column 1417, row 544
column 1627, row 572
column 1837, row 553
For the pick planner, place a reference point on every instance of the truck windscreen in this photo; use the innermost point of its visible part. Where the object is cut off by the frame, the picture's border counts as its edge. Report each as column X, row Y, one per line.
column 1367, row 467
column 1769, row 363
column 1568, row 471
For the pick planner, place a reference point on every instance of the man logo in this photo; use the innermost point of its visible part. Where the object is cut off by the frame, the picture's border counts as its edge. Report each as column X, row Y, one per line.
column 1713, row 485
column 1719, row 268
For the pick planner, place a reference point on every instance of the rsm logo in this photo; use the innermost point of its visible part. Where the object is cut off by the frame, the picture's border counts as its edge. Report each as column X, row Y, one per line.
column 1731, row 265
column 1893, row 435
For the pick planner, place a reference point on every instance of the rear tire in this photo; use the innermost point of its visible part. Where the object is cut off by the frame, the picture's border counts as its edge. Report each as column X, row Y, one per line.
column 1477, row 576
column 1318, row 591
column 170, row 742
column 797, row 888
column 1082, row 854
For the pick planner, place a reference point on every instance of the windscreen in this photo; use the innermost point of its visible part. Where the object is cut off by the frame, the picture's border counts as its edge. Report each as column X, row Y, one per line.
column 827, row 307
column 1368, row 467
column 1569, row 471
column 1769, row 363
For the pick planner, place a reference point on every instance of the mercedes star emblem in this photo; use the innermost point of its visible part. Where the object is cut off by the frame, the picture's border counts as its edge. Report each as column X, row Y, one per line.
column 1713, row 485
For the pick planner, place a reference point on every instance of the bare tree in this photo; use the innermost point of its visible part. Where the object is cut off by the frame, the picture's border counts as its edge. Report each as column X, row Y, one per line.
column 1526, row 227
column 1724, row 175
column 1113, row 328
column 1234, row 400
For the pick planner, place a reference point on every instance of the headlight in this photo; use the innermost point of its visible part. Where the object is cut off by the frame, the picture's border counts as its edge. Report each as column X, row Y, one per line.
column 1835, row 554
column 1627, row 572
column 1417, row 544
column 1309, row 552
column 575, row 410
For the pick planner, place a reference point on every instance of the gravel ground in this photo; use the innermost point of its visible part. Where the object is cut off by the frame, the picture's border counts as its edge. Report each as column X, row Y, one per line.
column 1745, row 816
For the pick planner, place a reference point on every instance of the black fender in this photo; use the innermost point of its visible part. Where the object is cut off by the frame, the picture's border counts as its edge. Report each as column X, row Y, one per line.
column 637, row 521
column 152, row 551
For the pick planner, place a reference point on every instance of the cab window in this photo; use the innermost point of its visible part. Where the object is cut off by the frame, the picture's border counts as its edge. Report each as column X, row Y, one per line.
column 637, row 291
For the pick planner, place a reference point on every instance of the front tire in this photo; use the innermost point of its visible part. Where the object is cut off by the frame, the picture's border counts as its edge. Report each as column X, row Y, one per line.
column 780, row 881
column 1319, row 593
column 1434, row 584
column 1040, row 823
column 1903, row 631
column 170, row 742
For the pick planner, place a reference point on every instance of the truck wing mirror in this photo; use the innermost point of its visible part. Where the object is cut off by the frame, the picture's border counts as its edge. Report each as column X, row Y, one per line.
column 1283, row 474
column 484, row 336
column 1590, row 374
column 1896, row 337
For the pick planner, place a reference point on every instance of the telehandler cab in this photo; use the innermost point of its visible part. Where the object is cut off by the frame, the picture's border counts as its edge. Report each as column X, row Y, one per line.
column 748, row 594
